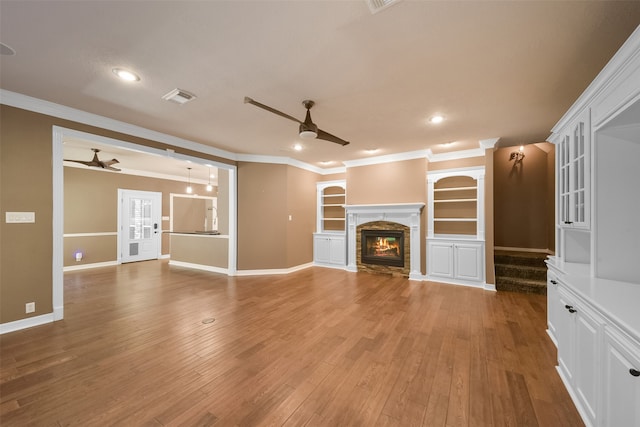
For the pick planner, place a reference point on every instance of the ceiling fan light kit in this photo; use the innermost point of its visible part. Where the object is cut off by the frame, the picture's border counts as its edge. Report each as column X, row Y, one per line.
column 307, row 129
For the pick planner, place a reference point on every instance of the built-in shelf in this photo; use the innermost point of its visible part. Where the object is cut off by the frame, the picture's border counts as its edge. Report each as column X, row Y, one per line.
column 454, row 200
column 456, row 219
column 455, row 226
column 436, row 190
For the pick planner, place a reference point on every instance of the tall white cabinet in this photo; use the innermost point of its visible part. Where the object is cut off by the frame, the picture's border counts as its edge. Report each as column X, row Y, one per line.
column 455, row 226
column 329, row 240
column 594, row 278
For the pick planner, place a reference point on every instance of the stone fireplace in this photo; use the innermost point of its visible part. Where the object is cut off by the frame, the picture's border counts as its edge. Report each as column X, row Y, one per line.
column 384, row 238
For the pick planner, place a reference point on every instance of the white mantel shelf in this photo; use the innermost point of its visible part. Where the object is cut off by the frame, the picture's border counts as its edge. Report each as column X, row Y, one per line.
column 402, row 213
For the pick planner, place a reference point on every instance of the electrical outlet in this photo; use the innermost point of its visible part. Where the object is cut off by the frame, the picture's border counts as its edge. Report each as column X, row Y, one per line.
column 30, row 307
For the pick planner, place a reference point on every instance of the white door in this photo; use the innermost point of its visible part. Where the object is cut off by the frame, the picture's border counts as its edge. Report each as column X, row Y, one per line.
column 139, row 225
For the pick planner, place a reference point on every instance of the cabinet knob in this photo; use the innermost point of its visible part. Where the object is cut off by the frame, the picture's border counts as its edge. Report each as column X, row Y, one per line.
column 634, row 372
column 554, row 282
column 571, row 310
column 568, row 307
column 568, row 222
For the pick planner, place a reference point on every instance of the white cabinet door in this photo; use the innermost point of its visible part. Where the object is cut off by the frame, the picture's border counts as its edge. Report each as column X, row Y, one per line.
column 440, row 256
column 553, row 307
column 566, row 335
column 621, row 391
column 587, row 361
column 468, row 261
column 329, row 249
column 321, row 249
column 337, row 250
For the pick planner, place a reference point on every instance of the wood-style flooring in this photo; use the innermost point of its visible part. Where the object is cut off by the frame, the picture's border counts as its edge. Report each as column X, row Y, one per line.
column 319, row 347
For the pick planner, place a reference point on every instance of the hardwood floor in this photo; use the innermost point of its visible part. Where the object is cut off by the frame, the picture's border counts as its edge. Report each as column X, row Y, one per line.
column 319, row 347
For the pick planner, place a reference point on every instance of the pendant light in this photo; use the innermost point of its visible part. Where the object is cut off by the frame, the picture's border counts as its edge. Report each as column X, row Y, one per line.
column 189, row 188
column 209, row 186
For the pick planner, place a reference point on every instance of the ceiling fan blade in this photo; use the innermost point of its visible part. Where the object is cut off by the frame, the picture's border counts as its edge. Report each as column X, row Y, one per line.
column 111, row 162
column 248, row 100
column 111, row 168
column 83, row 162
column 332, row 138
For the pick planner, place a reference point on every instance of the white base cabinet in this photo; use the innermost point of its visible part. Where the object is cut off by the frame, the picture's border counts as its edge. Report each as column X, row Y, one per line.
column 598, row 353
column 329, row 249
column 455, row 261
column 622, row 384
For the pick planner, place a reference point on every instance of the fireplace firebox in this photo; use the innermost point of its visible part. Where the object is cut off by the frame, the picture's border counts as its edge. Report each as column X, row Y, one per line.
column 382, row 247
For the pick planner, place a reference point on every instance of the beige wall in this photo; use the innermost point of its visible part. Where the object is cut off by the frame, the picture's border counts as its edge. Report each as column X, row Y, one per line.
column 26, row 182
column 396, row 182
column 211, row 251
column 301, row 206
column 267, row 195
column 524, row 200
column 262, row 216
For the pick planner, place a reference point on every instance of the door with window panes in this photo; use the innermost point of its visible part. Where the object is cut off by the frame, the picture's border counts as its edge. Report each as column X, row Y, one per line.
column 139, row 231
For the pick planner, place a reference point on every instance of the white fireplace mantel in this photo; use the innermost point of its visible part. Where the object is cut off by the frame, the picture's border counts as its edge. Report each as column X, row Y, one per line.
column 403, row 213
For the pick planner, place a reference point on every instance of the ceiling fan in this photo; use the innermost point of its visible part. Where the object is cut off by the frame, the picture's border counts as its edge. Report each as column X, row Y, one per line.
column 307, row 129
column 97, row 163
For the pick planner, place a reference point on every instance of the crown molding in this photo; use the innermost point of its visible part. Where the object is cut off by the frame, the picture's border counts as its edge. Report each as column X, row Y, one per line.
column 627, row 53
column 255, row 158
column 36, row 105
column 409, row 155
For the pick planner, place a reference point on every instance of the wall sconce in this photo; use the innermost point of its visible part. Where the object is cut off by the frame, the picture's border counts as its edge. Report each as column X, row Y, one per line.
column 517, row 155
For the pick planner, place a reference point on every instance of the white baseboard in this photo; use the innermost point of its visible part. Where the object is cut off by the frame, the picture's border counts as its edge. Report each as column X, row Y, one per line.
column 29, row 322
column 273, row 271
column 532, row 250
column 202, row 267
column 93, row 265
column 164, row 256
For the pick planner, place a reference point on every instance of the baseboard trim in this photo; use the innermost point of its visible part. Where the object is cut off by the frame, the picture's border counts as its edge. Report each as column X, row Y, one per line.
column 92, row 265
column 202, row 267
column 481, row 285
column 269, row 272
column 29, row 322
column 532, row 250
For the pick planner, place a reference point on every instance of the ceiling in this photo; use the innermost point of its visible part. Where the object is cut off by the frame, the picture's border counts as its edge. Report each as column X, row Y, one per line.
column 506, row 69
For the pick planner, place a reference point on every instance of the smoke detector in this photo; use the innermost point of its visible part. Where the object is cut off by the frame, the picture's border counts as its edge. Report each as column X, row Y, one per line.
column 179, row 96
column 376, row 6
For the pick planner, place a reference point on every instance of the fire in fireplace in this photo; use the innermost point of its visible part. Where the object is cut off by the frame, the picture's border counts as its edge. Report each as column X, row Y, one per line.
column 382, row 247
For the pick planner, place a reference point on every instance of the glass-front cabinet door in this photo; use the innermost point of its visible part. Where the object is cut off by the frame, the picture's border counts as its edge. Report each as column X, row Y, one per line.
column 573, row 175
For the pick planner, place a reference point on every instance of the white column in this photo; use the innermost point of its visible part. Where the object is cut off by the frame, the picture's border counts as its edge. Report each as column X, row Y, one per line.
column 414, row 243
column 351, row 242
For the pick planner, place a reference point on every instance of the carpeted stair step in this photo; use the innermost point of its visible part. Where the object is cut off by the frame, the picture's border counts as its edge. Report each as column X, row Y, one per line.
column 525, row 272
column 520, row 258
column 514, row 284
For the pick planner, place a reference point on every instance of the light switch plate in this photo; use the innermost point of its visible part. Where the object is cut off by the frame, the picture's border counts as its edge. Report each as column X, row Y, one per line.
column 20, row 217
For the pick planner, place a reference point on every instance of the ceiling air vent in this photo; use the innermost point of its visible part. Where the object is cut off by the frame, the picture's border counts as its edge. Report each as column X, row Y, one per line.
column 376, row 6
column 179, row 96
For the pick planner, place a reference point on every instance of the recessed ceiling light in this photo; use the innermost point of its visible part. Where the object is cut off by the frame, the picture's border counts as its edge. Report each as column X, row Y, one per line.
column 371, row 150
column 326, row 162
column 436, row 119
column 126, row 75
column 297, row 147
